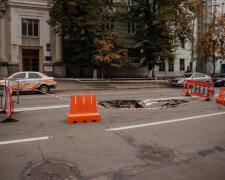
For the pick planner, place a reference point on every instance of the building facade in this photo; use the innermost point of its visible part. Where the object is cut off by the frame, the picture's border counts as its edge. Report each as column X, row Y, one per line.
column 27, row 42
column 204, row 18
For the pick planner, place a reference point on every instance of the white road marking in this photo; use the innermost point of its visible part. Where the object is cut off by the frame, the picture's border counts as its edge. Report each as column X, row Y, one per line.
column 137, row 92
column 24, row 140
column 163, row 122
column 42, row 96
column 41, row 108
column 64, row 95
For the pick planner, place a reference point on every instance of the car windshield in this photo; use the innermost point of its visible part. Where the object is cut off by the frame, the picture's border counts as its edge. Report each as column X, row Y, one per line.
column 187, row 75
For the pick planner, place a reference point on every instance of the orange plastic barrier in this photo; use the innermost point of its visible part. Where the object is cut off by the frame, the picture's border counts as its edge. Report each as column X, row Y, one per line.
column 83, row 108
column 221, row 97
column 198, row 88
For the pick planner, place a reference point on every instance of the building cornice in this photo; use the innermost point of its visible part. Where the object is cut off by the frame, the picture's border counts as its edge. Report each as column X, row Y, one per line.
column 24, row 4
column 3, row 6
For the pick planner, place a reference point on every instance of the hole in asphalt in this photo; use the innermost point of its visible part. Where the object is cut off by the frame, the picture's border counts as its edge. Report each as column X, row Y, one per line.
column 142, row 104
column 211, row 151
column 122, row 104
column 155, row 154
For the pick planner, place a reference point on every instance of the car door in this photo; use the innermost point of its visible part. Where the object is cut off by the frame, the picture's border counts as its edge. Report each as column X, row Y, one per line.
column 18, row 80
column 34, row 80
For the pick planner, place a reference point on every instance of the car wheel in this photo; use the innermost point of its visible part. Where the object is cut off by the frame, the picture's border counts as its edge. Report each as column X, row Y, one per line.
column 44, row 89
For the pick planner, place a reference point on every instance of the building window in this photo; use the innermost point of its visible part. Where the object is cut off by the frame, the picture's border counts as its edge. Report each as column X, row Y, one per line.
column 182, row 65
column 131, row 27
column 30, row 27
column 131, row 2
column 109, row 23
column 162, row 66
column 171, row 66
column 182, row 43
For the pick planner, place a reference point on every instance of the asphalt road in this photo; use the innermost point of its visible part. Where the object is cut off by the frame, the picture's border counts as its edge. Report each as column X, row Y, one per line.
column 185, row 142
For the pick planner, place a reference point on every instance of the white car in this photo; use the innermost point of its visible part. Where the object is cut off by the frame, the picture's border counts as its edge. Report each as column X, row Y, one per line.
column 30, row 81
column 190, row 76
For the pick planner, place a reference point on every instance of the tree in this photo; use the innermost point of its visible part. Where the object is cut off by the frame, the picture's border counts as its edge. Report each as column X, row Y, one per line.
column 195, row 6
column 211, row 43
column 107, row 53
column 160, row 24
column 80, row 23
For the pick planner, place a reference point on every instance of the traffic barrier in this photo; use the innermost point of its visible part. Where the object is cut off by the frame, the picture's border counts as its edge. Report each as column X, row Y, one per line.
column 7, row 101
column 83, row 108
column 221, row 97
column 198, row 88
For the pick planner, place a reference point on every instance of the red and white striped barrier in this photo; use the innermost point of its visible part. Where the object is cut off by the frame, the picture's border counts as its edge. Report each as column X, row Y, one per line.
column 59, row 97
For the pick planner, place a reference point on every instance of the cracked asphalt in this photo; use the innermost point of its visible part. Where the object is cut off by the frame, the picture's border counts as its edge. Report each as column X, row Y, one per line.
column 188, row 145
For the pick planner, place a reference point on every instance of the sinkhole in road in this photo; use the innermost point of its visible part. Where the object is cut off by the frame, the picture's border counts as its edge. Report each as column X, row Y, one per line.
column 169, row 103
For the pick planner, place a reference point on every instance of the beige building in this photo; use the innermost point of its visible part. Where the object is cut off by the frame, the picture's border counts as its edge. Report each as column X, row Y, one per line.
column 27, row 42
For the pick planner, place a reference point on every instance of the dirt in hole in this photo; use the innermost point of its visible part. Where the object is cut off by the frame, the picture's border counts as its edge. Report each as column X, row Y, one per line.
column 169, row 103
column 122, row 104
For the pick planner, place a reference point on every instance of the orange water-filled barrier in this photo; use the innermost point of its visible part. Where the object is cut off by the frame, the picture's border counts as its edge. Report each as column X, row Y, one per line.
column 220, row 99
column 83, row 108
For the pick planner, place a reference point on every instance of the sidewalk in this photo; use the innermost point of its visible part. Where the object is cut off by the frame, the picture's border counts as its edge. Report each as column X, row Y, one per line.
column 67, row 84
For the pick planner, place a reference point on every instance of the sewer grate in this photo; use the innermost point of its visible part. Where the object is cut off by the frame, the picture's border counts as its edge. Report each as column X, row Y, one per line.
column 50, row 170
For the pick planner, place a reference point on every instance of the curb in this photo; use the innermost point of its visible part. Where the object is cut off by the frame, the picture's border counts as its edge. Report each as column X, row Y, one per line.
column 96, row 89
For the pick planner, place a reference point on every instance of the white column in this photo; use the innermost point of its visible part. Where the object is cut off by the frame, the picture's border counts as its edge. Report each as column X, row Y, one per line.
column 58, row 48
column 2, row 36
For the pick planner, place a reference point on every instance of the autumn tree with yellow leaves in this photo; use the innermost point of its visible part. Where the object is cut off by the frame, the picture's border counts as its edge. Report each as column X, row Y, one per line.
column 211, row 44
column 107, row 54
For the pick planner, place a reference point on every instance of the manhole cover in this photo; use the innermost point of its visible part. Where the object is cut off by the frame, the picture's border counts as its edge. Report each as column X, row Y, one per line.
column 50, row 171
column 156, row 154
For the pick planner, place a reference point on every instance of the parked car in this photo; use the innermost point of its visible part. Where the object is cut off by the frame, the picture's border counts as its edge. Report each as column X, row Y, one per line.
column 190, row 76
column 30, row 81
column 219, row 82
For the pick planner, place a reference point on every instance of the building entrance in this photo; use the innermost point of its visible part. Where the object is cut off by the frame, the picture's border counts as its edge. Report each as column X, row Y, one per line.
column 30, row 60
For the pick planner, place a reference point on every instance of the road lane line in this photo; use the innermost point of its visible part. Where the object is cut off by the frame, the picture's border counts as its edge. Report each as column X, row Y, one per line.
column 34, row 97
column 24, row 140
column 41, row 108
column 137, row 92
column 163, row 122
